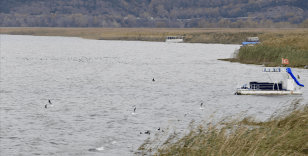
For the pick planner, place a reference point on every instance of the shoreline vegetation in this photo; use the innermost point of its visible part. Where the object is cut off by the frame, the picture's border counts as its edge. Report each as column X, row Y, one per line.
column 192, row 35
column 291, row 43
column 285, row 133
column 270, row 52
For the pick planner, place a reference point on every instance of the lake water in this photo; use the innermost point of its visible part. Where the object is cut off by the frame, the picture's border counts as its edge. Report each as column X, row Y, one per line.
column 96, row 84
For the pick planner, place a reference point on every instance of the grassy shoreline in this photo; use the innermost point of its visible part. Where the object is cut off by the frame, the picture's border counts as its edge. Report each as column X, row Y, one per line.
column 285, row 133
column 192, row 35
column 270, row 52
column 275, row 43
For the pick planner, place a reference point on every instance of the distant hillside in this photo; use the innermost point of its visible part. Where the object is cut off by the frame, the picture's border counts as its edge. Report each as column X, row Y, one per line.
column 146, row 13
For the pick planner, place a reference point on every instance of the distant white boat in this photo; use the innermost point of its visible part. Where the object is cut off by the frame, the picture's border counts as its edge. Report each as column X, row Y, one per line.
column 175, row 39
column 270, row 88
column 250, row 41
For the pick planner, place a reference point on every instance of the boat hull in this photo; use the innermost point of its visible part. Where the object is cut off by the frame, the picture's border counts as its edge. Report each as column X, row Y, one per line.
column 174, row 40
column 267, row 92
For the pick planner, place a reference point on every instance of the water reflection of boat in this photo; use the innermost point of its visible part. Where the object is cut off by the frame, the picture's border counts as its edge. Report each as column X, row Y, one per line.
column 274, row 88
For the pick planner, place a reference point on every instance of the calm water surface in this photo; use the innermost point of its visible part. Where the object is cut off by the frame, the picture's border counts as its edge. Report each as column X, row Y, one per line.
column 95, row 85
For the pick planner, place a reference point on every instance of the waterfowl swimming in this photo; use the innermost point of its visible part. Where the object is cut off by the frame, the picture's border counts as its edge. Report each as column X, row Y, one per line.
column 50, row 103
column 134, row 113
column 201, row 105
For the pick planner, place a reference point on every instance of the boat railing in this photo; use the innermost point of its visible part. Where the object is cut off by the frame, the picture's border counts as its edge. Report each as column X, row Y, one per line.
column 271, row 70
column 257, row 87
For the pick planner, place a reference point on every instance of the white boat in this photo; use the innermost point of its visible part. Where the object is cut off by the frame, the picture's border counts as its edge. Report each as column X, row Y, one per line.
column 270, row 88
column 174, row 38
column 250, row 41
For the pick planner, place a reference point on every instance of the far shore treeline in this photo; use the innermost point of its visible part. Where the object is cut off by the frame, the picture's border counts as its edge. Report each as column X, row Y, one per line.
column 155, row 13
column 130, row 21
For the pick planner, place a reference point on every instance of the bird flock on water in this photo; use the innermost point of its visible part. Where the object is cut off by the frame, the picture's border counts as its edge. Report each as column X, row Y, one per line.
column 49, row 104
column 148, row 132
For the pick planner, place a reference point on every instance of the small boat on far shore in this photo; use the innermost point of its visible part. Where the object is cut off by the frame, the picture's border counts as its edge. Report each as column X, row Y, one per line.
column 250, row 41
column 175, row 39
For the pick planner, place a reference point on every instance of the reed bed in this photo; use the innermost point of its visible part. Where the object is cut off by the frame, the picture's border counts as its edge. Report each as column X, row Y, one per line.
column 285, row 133
column 271, row 51
column 192, row 35
column 270, row 56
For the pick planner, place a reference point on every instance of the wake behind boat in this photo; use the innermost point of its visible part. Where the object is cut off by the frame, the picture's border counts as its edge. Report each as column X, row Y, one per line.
column 272, row 88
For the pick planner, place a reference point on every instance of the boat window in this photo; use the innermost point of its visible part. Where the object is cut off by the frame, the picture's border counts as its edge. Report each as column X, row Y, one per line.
column 174, row 37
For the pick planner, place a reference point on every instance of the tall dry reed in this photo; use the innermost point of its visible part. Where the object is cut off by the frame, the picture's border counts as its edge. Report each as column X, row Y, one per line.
column 284, row 134
column 271, row 51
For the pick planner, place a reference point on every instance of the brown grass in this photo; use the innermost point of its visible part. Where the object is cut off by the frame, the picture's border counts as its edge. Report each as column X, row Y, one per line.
column 284, row 134
column 192, row 35
column 293, row 47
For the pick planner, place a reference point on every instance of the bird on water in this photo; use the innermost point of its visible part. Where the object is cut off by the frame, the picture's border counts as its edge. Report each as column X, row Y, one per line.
column 134, row 113
column 50, row 103
column 201, row 105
